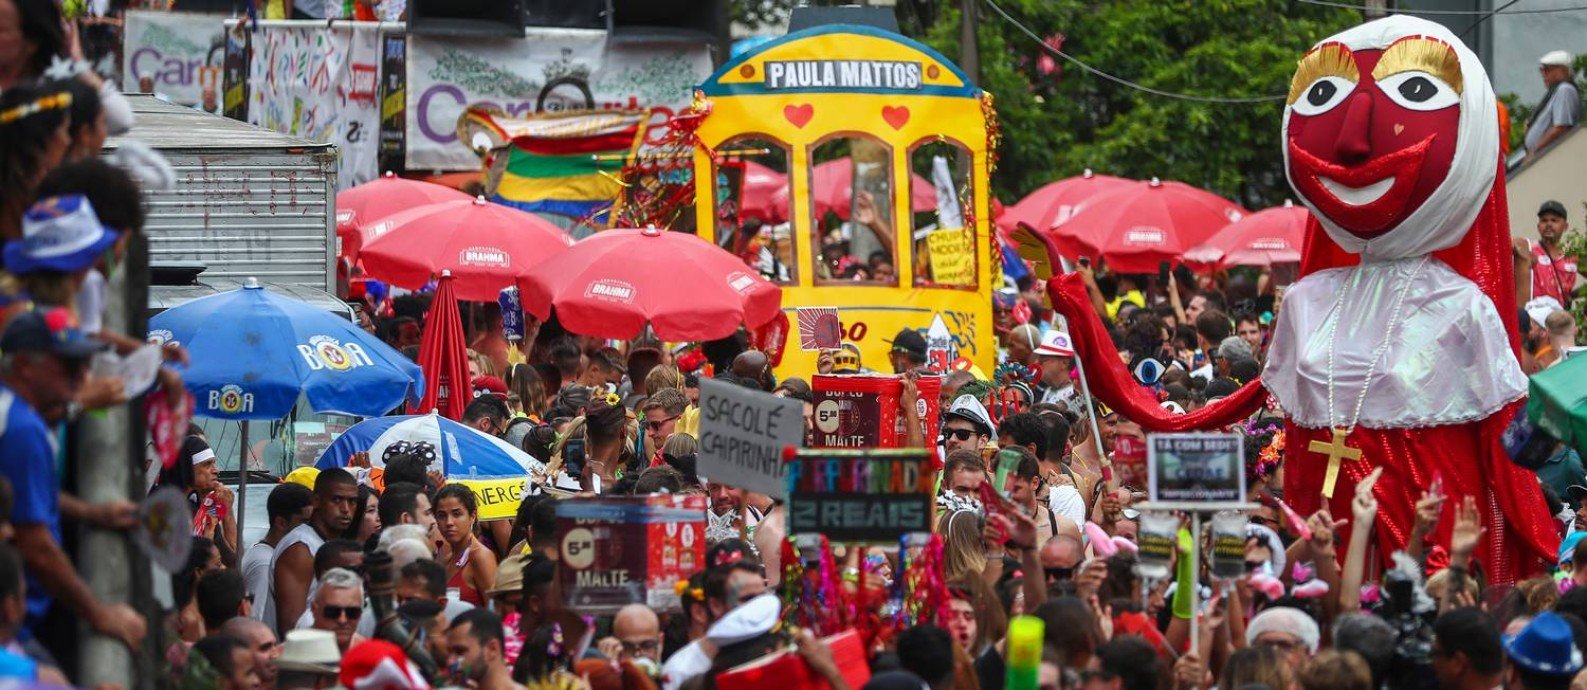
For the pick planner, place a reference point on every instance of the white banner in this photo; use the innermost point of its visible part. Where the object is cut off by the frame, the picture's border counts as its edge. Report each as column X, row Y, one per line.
column 554, row 69
column 175, row 54
column 320, row 83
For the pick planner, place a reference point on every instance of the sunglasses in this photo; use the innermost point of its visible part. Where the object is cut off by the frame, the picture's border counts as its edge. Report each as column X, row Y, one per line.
column 337, row 613
column 1058, row 574
column 959, row 434
column 657, row 424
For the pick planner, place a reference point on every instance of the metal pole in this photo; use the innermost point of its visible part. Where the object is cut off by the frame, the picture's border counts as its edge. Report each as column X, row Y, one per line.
column 1091, row 414
column 242, row 490
column 1195, row 577
column 970, row 55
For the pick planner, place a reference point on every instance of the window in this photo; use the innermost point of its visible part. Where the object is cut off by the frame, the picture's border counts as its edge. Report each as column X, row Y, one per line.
column 944, row 238
column 753, row 215
column 851, row 207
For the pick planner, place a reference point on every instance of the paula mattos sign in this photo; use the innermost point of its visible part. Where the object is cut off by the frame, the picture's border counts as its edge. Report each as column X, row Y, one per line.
column 843, row 74
column 860, row 496
column 1200, row 470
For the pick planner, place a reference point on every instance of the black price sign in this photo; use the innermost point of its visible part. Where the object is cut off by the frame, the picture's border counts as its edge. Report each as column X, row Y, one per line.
column 1196, row 468
column 871, row 496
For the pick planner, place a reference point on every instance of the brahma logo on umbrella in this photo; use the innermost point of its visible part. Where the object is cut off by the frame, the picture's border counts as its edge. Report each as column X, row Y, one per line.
column 230, row 399
column 1270, row 243
column 344, row 217
column 610, row 290
column 161, row 337
column 1143, row 235
column 325, row 352
column 741, row 282
column 484, row 256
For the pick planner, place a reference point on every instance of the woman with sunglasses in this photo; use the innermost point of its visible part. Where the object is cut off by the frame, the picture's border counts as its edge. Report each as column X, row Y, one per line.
column 470, row 566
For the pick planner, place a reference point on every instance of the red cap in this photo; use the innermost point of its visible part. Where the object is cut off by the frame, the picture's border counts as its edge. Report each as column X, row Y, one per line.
column 491, row 385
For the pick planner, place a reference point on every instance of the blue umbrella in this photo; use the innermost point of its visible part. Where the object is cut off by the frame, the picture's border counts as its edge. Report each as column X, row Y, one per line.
column 254, row 352
column 463, row 452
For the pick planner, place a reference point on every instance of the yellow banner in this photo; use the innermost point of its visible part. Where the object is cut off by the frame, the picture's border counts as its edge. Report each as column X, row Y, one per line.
column 952, row 256
column 498, row 498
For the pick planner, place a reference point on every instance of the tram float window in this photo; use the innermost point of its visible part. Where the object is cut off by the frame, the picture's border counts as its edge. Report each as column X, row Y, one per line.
column 944, row 239
column 851, row 206
column 754, row 219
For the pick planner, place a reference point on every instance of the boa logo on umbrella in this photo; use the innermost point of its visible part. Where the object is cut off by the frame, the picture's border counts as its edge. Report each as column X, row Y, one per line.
column 741, row 282
column 161, row 337
column 325, row 352
column 231, row 399
column 610, row 290
column 484, row 256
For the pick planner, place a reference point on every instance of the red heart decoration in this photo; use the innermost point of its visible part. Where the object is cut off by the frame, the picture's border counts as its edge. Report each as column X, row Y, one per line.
column 799, row 115
column 896, row 115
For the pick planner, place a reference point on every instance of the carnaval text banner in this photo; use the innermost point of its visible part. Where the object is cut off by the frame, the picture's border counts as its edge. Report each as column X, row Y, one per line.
column 178, row 52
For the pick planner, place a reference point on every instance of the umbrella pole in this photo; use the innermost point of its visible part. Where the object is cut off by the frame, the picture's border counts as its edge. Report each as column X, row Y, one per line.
column 242, row 487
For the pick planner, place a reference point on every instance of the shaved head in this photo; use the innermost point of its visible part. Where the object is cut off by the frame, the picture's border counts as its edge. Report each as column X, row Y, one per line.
column 261, row 644
column 638, row 628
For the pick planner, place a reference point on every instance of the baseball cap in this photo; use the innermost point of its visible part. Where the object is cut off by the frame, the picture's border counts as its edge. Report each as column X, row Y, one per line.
column 1552, row 206
column 910, row 342
column 1056, row 344
column 489, row 385
column 1555, row 58
column 48, row 330
column 59, row 233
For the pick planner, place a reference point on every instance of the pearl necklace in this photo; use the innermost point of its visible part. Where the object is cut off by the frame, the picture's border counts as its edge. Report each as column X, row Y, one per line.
column 1388, row 337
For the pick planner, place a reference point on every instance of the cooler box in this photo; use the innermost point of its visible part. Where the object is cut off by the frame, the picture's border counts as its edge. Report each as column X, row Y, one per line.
column 862, row 411
column 620, row 550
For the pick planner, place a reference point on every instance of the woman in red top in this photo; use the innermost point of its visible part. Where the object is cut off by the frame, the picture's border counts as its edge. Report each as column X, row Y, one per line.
column 470, row 567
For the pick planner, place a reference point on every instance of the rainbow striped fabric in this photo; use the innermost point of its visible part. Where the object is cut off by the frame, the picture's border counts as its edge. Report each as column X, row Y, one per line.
column 562, row 164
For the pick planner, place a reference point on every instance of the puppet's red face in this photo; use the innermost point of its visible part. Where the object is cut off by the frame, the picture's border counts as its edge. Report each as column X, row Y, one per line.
column 1372, row 132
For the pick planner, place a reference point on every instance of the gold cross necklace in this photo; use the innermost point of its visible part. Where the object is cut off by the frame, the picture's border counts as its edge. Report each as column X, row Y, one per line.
column 1335, row 448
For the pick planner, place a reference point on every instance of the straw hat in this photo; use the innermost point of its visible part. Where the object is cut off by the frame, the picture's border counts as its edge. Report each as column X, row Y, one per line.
column 312, row 651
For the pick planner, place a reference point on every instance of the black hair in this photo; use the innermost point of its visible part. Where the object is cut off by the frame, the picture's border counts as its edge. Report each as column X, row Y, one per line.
column 543, row 524
column 716, row 578
column 23, row 140
column 413, row 306
column 41, row 25
column 1221, row 387
column 520, row 520
column 365, row 494
column 433, row 574
column 1132, row 660
column 406, row 468
column 115, row 195
column 926, row 651
column 85, row 109
column 331, row 552
column 1057, row 435
column 420, row 611
column 1214, row 325
column 287, row 500
column 484, row 625
column 604, row 422
column 487, row 406
column 399, row 499
column 1244, row 370
column 659, row 479
column 564, row 354
column 220, row 595
column 721, row 352
column 1532, row 680
column 331, row 478
column 1573, row 602
column 462, row 493
column 538, row 443
column 1026, row 428
column 538, row 574
column 218, row 650
column 184, row 582
column 1070, row 630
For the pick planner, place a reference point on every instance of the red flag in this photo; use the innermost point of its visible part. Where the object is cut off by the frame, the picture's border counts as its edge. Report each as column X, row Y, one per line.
column 443, row 355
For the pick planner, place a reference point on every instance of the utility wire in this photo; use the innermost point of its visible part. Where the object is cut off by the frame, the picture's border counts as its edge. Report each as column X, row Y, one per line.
column 1121, row 80
column 1486, row 17
column 1467, row 13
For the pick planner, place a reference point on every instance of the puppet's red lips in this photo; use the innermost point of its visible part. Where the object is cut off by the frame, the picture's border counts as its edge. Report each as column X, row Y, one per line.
column 1365, row 199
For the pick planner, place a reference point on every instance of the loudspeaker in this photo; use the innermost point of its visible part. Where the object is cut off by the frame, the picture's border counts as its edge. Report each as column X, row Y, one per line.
column 700, row 20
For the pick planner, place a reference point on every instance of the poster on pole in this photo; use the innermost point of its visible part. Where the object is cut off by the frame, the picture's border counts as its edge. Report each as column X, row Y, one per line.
column 620, row 550
column 743, row 434
column 870, row 496
column 1195, row 468
column 175, row 54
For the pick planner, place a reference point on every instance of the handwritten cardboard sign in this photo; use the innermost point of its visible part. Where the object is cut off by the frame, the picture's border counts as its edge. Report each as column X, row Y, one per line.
column 952, row 256
column 620, row 550
column 1195, row 468
column 743, row 434
column 869, row 496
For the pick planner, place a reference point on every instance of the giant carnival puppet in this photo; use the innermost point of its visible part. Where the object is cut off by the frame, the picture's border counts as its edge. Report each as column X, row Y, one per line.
column 1394, row 348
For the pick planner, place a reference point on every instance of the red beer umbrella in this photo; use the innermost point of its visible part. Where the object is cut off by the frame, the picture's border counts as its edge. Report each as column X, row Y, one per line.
column 614, row 282
column 1267, row 237
column 832, row 189
column 1053, row 203
column 486, row 246
column 1137, row 226
column 443, row 355
column 764, row 195
column 359, row 210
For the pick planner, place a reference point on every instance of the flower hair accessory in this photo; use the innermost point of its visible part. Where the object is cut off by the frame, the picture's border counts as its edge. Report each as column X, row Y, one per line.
column 54, row 101
column 684, row 591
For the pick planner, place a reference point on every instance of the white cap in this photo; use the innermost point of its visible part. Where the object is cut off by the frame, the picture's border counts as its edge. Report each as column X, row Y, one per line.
column 1056, row 344
column 748, row 621
column 1558, row 58
column 1540, row 307
column 968, row 408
